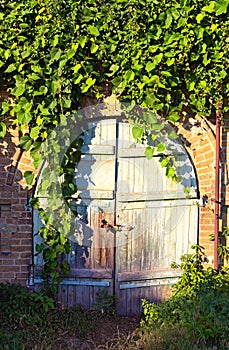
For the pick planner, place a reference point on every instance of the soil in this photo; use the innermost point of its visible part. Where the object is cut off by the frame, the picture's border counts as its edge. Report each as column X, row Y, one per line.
column 107, row 330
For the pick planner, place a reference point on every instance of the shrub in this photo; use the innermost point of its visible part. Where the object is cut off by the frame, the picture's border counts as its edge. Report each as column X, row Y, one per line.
column 199, row 304
column 32, row 321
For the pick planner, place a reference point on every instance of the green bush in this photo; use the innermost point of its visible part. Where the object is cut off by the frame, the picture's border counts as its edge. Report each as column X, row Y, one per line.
column 199, row 305
column 32, row 321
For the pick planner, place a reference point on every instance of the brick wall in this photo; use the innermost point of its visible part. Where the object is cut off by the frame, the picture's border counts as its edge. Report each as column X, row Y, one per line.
column 198, row 136
column 15, row 218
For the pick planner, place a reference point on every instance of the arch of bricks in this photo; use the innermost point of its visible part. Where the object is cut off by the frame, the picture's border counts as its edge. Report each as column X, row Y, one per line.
column 16, row 219
column 198, row 136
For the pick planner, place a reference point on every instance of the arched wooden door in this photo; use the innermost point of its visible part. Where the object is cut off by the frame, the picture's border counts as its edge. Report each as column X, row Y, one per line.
column 132, row 220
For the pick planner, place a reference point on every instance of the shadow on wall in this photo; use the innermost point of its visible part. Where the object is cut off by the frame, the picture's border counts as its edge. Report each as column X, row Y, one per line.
column 15, row 217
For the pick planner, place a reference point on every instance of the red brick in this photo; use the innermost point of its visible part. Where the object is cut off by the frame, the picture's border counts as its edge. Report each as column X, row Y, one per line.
column 24, row 248
column 6, row 268
column 24, row 255
column 22, row 262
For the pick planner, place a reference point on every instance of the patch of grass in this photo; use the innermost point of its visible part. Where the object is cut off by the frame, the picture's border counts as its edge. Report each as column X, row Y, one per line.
column 31, row 321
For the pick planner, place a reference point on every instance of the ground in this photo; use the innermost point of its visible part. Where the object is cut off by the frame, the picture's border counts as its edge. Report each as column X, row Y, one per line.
column 106, row 332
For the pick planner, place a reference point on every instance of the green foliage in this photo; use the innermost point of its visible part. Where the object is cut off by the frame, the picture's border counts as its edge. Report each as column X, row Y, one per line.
column 165, row 56
column 223, row 250
column 32, row 321
column 19, row 304
column 161, row 55
column 199, row 304
column 106, row 303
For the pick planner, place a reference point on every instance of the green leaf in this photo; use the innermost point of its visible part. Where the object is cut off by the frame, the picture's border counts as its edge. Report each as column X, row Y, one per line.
column 71, row 53
column 24, row 117
column 173, row 117
column 55, row 54
column 137, row 132
column 191, row 85
column 19, row 90
column 55, row 86
column 170, row 38
column 67, row 102
column 156, row 60
column 89, row 82
column 34, row 132
column 2, row 129
column 42, row 91
column 78, row 80
column 29, row 177
column 83, row 41
column 168, row 20
column 10, row 68
column 34, row 76
column 114, row 68
column 173, row 135
column 24, row 103
column 94, row 48
column 170, row 61
column 117, row 81
column 170, row 172
column 129, row 75
column 221, row 7
column 165, row 162
column 200, row 17
column 157, row 126
column 25, row 53
column 68, row 190
column 149, row 151
column 5, row 107
column 160, row 147
column 55, row 40
column 93, row 30
column 25, row 142
column 187, row 190
column 76, row 68
column 150, row 117
column 150, row 66
column 209, row 8
column 202, row 84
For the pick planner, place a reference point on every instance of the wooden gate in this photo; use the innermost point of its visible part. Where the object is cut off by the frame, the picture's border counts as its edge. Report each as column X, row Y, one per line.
column 132, row 220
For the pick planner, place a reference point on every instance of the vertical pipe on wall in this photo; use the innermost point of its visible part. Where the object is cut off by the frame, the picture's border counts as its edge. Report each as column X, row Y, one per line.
column 217, row 199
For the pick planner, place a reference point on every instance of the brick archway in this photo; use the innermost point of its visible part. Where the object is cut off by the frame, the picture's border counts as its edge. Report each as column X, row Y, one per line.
column 16, row 256
column 199, row 140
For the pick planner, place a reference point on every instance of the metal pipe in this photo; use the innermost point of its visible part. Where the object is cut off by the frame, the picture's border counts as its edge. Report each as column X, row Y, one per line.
column 217, row 199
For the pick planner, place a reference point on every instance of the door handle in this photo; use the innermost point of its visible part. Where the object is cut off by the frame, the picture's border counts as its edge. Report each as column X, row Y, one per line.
column 123, row 228
column 118, row 228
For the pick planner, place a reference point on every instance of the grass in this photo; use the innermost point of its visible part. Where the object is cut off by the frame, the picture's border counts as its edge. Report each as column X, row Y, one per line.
column 31, row 321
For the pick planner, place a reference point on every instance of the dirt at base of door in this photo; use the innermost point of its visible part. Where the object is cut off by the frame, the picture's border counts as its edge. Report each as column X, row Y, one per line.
column 107, row 330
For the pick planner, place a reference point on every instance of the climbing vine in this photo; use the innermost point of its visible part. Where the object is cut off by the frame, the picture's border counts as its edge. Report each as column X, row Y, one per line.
column 168, row 56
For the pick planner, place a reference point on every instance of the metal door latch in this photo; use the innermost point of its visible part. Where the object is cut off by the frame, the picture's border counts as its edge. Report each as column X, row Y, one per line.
column 119, row 228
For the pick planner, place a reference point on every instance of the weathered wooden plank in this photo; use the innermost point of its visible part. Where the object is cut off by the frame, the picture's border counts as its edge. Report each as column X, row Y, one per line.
column 136, row 151
column 85, row 282
column 156, row 282
column 90, row 273
column 98, row 149
column 146, row 275
column 94, row 194
column 71, row 296
column 154, row 196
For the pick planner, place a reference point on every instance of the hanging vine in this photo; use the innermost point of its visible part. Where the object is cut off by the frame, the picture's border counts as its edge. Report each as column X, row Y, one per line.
column 168, row 56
